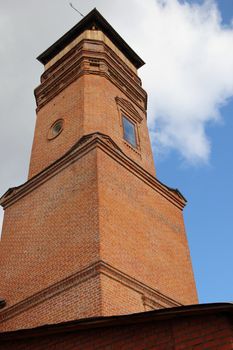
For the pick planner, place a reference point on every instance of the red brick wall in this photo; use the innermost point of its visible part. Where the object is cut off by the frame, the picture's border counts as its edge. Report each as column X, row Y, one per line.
column 199, row 333
column 87, row 105
column 92, row 211
column 101, row 114
column 67, row 105
column 126, row 300
column 81, row 301
column 50, row 233
column 142, row 233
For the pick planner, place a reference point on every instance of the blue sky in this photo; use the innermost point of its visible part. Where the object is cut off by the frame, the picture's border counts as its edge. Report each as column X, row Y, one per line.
column 209, row 212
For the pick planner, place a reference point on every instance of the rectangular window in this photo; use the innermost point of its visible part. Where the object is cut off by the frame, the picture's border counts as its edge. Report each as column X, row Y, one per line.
column 129, row 131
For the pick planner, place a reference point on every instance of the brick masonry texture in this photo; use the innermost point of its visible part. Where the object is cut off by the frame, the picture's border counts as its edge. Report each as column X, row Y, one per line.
column 88, row 105
column 95, row 212
column 203, row 332
column 87, row 214
column 67, row 105
column 143, row 233
column 56, row 235
column 78, row 302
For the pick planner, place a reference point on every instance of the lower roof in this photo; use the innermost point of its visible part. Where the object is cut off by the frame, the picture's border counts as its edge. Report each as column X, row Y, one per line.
column 109, row 321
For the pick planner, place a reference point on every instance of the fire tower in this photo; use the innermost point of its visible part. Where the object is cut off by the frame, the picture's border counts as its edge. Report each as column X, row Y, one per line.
column 92, row 232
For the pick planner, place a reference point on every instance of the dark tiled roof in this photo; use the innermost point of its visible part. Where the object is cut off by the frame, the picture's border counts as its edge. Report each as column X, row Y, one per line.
column 96, row 19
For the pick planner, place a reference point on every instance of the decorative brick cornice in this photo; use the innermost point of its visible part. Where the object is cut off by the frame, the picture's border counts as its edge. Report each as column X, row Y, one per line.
column 81, row 61
column 96, row 269
column 127, row 106
column 153, row 305
column 137, row 286
column 82, row 147
column 53, row 290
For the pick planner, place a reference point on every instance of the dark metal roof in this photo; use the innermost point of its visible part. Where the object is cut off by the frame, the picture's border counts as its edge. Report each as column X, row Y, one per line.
column 110, row 321
column 96, row 19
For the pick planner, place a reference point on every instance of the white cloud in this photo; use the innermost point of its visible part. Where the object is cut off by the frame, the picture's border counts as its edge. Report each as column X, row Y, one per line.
column 189, row 73
column 189, row 66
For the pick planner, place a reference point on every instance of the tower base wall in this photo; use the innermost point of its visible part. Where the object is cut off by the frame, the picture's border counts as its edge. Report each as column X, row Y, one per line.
column 127, row 245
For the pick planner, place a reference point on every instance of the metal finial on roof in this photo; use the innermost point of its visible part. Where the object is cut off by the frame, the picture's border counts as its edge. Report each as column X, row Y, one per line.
column 93, row 17
column 71, row 5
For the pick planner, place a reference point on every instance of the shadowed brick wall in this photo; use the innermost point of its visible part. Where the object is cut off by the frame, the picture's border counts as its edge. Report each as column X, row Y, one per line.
column 199, row 333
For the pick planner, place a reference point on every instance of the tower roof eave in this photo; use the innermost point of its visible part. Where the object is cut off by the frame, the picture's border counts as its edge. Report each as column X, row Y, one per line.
column 92, row 18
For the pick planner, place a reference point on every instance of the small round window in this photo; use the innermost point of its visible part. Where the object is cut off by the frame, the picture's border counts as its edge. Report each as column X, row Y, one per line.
column 55, row 129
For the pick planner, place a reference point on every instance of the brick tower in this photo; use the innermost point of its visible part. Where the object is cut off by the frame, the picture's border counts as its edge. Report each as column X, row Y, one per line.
column 92, row 232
